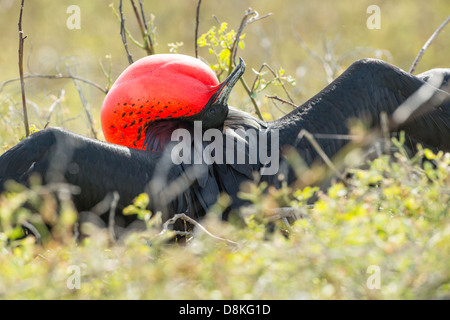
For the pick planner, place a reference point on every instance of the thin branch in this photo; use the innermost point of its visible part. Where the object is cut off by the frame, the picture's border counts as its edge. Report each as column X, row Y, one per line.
column 277, row 107
column 22, row 82
column 233, row 50
column 217, row 20
column 306, row 134
column 84, row 103
column 282, row 100
column 127, row 33
column 55, row 76
column 277, row 78
column 147, row 29
column 148, row 45
column 335, row 136
column 255, row 105
column 138, row 18
column 53, row 107
column 250, row 16
column 123, row 33
column 197, row 22
column 427, row 44
column 195, row 223
column 245, row 21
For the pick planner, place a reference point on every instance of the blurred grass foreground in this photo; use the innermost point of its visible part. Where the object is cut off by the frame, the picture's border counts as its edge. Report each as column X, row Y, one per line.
column 384, row 234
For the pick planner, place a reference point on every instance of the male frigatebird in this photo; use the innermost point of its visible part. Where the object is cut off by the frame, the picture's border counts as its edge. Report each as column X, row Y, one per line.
column 160, row 94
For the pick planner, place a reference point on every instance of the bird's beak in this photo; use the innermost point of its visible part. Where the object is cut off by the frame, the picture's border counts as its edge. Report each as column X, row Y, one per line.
column 216, row 110
column 222, row 94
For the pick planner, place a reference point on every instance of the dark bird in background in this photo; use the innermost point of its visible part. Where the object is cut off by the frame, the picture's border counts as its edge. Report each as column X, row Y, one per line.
column 162, row 93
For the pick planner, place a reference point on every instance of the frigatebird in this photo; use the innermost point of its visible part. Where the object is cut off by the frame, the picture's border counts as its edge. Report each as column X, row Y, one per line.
column 162, row 94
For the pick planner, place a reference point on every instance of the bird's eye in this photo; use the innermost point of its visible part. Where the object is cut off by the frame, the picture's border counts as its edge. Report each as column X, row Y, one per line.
column 212, row 111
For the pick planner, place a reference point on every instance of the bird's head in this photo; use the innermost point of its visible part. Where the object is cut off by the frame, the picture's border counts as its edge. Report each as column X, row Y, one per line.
column 164, row 87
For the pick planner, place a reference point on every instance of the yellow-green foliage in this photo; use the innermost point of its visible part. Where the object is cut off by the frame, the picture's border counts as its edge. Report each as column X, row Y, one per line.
column 392, row 217
column 389, row 221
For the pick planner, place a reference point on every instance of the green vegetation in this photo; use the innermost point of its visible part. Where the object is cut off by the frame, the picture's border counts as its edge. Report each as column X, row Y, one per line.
column 383, row 233
column 401, row 228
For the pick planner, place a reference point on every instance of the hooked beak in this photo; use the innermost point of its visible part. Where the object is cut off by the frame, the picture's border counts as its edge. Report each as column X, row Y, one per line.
column 216, row 110
column 222, row 94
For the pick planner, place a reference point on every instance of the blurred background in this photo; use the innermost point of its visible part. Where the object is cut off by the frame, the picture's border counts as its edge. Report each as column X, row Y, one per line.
column 312, row 41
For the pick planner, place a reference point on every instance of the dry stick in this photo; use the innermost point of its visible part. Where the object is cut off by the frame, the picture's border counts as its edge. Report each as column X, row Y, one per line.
column 195, row 223
column 197, row 22
column 53, row 107
column 147, row 32
column 233, row 51
column 244, row 23
column 316, row 146
column 427, row 44
column 55, row 76
column 84, row 103
column 282, row 100
column 255, row 105
column 138, row 18
column 276, row 105
column 217, row 20
column 22, row 83
column 141, row 22
column 123, row 34
column 275, row 78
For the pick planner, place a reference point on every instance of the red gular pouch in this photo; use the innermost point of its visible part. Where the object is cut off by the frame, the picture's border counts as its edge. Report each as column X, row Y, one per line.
column 163, row 87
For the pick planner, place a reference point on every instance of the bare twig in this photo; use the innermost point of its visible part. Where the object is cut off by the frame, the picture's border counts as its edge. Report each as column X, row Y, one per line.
column 196, row 224
column 147, row 29
column 255, row 105
column 53, row 106
column 148, row 45
column 22, row 82
column 55, row 76
column 277, row 78
column 427, row 44
column 334, row 136
column 306, row 134
column 217, row 19
column 84, row 103
column 250, row 16
column 197, row 22
column 282, row 100
column 123, row 33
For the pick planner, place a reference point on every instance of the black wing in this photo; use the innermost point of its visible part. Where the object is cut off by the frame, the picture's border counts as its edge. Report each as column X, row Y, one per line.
column 365, row 90
column 98, row 169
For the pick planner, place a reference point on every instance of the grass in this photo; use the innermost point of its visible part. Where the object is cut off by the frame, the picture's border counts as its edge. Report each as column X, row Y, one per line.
column 384, row 234
column 392, row 217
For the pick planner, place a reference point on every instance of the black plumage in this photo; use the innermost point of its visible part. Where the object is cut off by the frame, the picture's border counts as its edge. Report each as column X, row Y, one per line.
column 367, row 88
